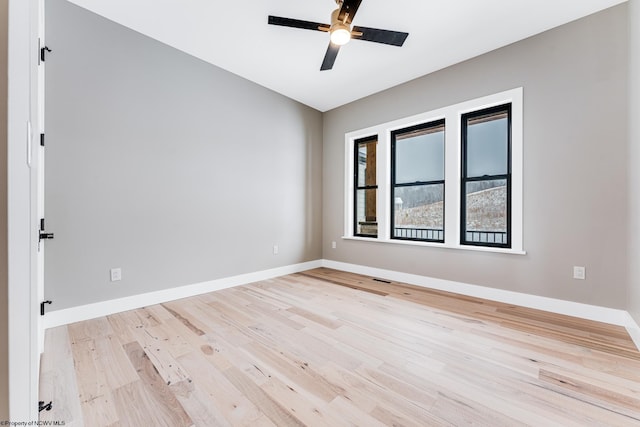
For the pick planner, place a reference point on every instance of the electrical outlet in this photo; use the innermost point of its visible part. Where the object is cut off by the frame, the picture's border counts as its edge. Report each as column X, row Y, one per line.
column 116, row 274
column 275, row 249
column 333, row 245
column 579, row 273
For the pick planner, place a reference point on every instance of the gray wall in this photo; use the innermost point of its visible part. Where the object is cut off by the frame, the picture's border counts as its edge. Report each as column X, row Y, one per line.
column 634, row 159
column 575, row 167
column 4, row 340
column 174, row 170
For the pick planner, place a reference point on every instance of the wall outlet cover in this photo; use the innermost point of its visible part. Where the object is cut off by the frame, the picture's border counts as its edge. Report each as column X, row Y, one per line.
column 116, row 274
column 579, row 273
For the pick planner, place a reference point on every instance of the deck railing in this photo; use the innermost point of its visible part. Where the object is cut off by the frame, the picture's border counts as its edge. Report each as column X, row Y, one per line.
column 434, row 234
column 499, row 237
column 419, row 233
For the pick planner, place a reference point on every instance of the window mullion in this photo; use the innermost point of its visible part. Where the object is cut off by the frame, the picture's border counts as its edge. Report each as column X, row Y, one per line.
column 516, row 172
column 384, row 189
column 349, row 177
column 452, row 181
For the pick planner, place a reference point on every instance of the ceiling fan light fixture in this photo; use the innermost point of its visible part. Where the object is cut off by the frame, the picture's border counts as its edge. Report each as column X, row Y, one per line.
column 340, row 34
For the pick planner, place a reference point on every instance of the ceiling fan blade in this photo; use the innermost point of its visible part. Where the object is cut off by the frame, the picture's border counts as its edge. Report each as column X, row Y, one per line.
column 394, row 38
column 296, row 23
column 330, row 57
column 349, row 7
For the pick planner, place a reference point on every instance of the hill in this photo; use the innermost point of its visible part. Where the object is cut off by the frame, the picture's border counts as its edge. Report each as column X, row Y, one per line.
column 486, row 212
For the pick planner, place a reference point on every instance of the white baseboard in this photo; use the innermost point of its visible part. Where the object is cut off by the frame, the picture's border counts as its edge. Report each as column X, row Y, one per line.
column 634, row 330
column 585, row 311
column 105, row 308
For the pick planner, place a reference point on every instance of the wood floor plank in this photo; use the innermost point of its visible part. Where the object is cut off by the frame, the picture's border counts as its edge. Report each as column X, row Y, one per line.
column 350, row 414
column 156, row 348
column 223, row 395
column 159, row 312
column 148, row 401
column 270, row 407
column 110, row 358
column 172, row 337
column 301, row 402
column 94, row 393
column 197, row 404
column 325, row 347
column 184, row 320
column 139, row 318
column 376, row 399
column 90, row 329
column 58, row 380
column 121, row 327
column 606, row 391
column 292, row 369
column 459, row 411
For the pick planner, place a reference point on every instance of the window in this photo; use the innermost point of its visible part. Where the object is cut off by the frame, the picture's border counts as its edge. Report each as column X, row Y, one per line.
column 417, row 182
column 449, row 178
column 366, row 190
column 486, row 177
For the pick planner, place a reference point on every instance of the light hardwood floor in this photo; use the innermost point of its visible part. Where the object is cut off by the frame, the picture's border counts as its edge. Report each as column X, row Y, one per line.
column 328, row 348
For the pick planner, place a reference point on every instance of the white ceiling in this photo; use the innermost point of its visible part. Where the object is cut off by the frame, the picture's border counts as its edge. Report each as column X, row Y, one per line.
column 235, row 36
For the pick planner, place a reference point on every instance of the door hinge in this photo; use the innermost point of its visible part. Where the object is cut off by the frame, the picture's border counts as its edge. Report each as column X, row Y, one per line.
column 42, row 139
column 42, row 306
column 44, row 406
column 43, row 51
column 44, row 235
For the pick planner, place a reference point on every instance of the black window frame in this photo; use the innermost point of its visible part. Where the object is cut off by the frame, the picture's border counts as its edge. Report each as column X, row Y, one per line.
column 356, row 187
column 392, row 227
column 464, row 179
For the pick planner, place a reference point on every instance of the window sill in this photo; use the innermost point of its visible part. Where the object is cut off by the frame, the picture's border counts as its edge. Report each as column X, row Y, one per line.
column 437, row 245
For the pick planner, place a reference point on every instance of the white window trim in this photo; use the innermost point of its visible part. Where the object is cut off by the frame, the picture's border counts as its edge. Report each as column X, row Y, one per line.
column 453, row 116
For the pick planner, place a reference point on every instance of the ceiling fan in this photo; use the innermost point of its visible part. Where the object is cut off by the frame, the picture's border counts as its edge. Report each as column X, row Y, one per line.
column 341, row 32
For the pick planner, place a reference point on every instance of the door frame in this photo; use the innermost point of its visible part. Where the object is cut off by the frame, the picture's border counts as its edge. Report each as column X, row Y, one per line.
column 22, row 156
column 40, row 159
